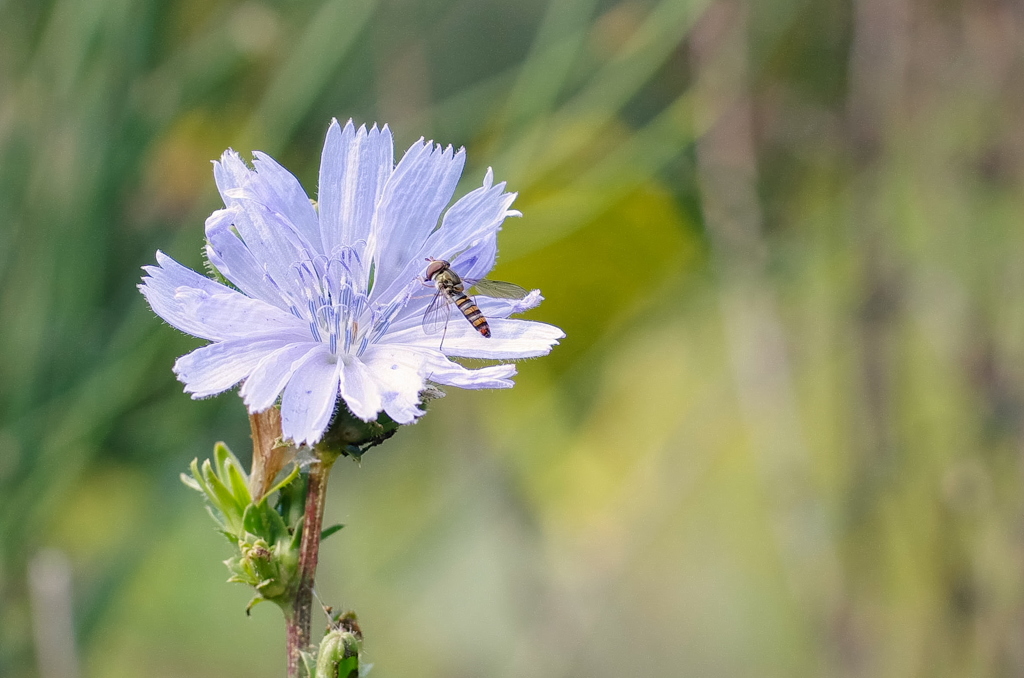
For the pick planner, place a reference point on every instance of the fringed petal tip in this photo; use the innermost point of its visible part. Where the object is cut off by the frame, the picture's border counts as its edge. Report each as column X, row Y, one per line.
column 531, row 300
column 502, row 308
column 494, row 376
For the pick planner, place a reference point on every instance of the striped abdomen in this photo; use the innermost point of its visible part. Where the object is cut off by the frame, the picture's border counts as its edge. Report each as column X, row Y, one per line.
column 472, row 312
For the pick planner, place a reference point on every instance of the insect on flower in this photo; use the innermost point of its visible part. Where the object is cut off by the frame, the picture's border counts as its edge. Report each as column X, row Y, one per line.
column 317, row 305
column 451, row 290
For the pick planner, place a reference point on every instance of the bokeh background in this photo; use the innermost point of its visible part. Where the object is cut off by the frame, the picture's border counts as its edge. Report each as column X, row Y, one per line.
column 782, row 438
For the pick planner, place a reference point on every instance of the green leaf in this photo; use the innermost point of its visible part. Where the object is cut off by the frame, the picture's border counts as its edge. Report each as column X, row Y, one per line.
column 253, row 603
column 287, row 479
column 222, row 454
column 277, row 529
column 223, row 499
column 221, row 496
column 190, row 482
column 265, row 522
column 198, row 477
column 348, row 668
column 221, row 527
column 238, row 482
column 291, row 500
column 328, row 531
column 230, row 472
column 309, row 662
column 254, row 520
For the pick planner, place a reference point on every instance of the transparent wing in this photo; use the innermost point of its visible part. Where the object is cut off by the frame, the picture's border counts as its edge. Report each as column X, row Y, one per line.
column 499, row 289
column 437, row 313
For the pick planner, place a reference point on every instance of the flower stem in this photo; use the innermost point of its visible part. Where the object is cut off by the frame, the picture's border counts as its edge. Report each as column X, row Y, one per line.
column 300, row 617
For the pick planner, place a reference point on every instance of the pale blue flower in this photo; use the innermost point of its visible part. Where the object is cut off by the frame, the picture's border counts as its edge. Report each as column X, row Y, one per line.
column 330, row 296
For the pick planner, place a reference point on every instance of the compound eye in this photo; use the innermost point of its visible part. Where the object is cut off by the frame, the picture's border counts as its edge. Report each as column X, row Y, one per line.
column 435, row 267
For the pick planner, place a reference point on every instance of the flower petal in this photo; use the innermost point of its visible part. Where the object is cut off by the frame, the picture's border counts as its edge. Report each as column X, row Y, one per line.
column 273, row 242
column 441, row 370
column 271, row 191
column 412, row 315
column 281, row 190
column 410, row 206
column 310, row 397
column 475, row 216
column 217, row 367
column 510, row 339
column 230, row 172
column 201, row 307
column 467, row 236
column 269, row 377
column 502, row 308
column 267, row 231
column 399, row 376
column 233, row 315
column 349, row 269
column 477, row 261
column 354, row 168
column 168, row 274
column 359, row 389
column 236, row 262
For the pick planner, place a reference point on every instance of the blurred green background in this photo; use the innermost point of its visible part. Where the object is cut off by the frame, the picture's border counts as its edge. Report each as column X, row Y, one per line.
column 783, row 436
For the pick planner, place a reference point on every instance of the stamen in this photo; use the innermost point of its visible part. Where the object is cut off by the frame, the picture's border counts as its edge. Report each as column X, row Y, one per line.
column 336, row 304
column 333, row 329
column 315, row 330
column 384, row 319
column 285, row 296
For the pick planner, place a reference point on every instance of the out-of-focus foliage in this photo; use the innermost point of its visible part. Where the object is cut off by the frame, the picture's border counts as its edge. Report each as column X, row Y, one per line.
column 782, row 438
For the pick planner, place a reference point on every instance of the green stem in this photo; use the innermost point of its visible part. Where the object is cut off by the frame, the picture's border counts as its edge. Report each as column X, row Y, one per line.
column 299, row 620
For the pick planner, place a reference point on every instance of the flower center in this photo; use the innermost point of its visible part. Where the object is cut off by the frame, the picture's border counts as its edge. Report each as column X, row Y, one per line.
column 335, row 304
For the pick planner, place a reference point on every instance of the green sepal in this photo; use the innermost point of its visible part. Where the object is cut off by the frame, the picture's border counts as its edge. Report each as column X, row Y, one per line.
column 328, row 531
column 214, row 273
column 351, row 436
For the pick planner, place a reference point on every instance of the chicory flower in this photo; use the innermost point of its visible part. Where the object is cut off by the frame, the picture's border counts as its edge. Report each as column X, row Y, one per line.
column 326, row 299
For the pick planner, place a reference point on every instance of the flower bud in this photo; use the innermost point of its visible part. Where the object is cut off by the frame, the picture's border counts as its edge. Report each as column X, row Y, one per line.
column 338, row 656
column 351, row 436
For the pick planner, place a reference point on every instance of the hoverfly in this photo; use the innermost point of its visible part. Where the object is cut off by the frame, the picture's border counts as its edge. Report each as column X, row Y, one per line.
column 451, row 289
